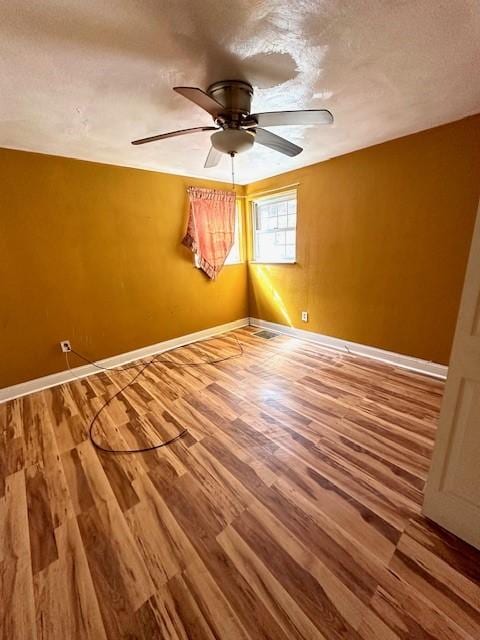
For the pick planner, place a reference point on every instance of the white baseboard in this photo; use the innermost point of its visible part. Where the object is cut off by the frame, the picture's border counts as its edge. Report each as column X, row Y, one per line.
column 24, row 388
column 397, row 359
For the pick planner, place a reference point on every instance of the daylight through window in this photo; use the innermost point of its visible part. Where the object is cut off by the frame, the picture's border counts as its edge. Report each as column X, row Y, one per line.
column 274, row 228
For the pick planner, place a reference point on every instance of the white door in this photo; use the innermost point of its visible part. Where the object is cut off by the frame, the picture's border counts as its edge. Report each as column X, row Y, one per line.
column 452, row 495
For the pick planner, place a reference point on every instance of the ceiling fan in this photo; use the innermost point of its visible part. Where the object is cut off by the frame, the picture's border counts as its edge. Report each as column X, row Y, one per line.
column 236, row 129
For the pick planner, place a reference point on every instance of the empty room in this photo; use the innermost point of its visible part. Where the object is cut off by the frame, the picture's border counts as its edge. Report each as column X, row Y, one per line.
column 240, row 320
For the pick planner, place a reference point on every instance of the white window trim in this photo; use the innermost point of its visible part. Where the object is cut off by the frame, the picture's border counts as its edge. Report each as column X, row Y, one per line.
column 273, row 262
column 254, row 202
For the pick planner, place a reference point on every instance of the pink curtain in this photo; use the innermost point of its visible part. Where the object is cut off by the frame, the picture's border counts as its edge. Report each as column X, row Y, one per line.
column 211, row 227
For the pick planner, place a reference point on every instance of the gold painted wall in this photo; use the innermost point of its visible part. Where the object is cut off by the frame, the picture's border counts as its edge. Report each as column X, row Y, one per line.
column 382, row 243
column 91, row 253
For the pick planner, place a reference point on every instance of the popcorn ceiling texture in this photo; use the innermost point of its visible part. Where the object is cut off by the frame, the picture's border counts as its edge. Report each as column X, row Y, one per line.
column 82, row 79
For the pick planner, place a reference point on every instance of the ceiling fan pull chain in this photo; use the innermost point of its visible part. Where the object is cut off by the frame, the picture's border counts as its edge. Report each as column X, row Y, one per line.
column 232, row 155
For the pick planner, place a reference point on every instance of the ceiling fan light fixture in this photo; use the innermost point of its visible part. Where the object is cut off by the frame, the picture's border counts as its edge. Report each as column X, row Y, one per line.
column 233, row 141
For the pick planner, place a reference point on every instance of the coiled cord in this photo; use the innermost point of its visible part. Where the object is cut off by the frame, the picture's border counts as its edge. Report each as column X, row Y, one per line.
column 143, row 365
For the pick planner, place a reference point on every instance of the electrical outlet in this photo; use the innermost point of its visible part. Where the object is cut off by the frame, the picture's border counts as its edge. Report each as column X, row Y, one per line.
column 304, row 316
column 65, row 346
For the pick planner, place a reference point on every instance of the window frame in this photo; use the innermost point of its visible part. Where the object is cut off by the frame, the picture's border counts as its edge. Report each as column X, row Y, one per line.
column 279, row 197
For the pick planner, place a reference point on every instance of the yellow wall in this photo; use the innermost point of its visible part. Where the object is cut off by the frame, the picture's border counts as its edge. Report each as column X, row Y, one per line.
column 91, row 253
column 382, row 243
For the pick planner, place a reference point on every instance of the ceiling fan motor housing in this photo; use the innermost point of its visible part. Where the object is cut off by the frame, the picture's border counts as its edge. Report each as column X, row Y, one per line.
column 235, row 96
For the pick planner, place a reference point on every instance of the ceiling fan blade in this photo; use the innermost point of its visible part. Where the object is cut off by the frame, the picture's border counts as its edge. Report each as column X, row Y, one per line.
column 173, row 134
column 269, row 139
column 280, row 118
column 201, row 99
column 213, row 158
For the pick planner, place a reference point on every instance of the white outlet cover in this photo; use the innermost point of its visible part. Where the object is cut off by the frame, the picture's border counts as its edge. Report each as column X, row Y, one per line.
column 305, row 316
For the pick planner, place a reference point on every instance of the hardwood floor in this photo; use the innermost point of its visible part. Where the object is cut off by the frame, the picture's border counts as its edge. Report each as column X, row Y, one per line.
column 290, row 510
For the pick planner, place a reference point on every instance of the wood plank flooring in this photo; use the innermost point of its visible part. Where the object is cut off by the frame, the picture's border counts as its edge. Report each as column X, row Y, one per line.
column 290, row 510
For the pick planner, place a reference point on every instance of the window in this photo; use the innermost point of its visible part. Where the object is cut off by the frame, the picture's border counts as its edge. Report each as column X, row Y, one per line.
column 235, row 253
column 274, row 228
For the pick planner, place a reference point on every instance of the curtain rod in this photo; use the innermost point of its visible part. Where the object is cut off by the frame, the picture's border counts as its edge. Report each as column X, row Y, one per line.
column 261, row 193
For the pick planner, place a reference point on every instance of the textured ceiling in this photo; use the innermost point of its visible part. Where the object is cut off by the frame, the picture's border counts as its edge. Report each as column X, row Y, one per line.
column 83, row 78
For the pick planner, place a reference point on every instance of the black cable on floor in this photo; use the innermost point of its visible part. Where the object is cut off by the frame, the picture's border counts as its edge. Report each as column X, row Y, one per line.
column 144, row 365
